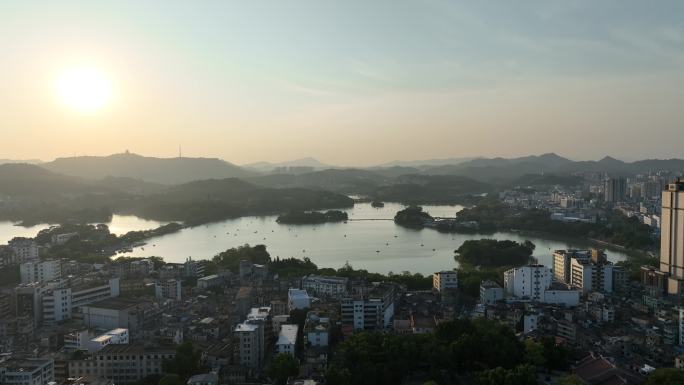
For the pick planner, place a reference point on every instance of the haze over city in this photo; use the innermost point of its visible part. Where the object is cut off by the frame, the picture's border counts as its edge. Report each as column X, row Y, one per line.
column 382, row 80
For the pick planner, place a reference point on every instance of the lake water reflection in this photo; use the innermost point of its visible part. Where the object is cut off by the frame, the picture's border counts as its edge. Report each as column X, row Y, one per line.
column 376, row 245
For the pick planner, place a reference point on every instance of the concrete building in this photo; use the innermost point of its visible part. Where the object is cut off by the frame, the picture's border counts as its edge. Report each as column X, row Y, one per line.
column 372, row 310
column 116, row 337
column 445, row 280
column 24, row 249
column 534, row 283
column 114, row 313
column 298, row 299
column 316, row 330
column 30, row 371
column 615, row 190
column 527, row 282
column 208, row 281
column 490, row 292
column 325, row 286
column 587, row 270
column 169, row 288
column 287, row 339
column 77, row 340
column 249, row 346
column 672, row 236
column 129, row 363
column 36, row 271
column 58, row 304
column 681, row 326
column 589, row 276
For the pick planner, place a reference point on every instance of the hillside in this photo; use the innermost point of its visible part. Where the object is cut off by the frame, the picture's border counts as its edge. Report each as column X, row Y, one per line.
column 27, row 181
column 148, row 169
column 217, row 199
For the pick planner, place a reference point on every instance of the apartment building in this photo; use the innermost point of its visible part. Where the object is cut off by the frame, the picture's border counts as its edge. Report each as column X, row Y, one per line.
column 325, row 286
column 445, row 280
column 371, row 310
column 36, row 271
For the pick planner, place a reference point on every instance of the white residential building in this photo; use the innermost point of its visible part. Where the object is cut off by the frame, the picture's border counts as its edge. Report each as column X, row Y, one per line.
column 527, row 282
column 287, row 339
column 58, row 304
column 325, row 286
column 369, row 311
column 445, row 280
column 36, row 271
column 298, row 299
column 490, row 292
column 534, row 283
column 114, row 336
column 77, row 340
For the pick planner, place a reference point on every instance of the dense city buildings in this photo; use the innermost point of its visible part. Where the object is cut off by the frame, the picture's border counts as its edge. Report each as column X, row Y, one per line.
column 121, row 321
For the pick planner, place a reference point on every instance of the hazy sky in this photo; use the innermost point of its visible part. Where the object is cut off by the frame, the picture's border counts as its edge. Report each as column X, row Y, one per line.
column 349, row 82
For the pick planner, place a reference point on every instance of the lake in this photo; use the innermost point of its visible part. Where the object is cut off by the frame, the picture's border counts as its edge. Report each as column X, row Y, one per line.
column 370, row 240
column 120, row 224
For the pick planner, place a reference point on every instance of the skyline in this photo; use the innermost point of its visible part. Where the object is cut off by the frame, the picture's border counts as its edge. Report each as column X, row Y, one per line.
column 348, row 83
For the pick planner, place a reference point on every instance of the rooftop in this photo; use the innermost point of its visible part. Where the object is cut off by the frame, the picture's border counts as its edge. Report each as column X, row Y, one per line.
column 288, row 335
column 297, row 293
column 245, row 327
column 24, row 365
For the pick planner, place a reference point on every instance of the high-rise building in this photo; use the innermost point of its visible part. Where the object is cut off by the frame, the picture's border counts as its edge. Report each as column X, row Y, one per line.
column 672, row 236
column 615, row 190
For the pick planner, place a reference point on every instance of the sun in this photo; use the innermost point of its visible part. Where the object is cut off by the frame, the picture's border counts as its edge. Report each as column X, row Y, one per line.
column 83, row 89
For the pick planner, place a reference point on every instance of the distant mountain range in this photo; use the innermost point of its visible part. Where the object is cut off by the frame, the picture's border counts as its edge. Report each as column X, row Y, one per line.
column 149, row 169
column 424, row 162
column 27, row 161
column 131, row 170
column 303, row 162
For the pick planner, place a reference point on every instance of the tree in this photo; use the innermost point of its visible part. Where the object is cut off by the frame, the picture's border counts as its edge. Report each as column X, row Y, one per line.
column 282, row 367
column 185, row 363
column 521, row 375
column 170, row 379
column 666, row 376
column 570, row 380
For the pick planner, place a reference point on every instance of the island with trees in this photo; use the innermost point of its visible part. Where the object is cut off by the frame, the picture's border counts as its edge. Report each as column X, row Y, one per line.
column 413, row 217
column 312, row 217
